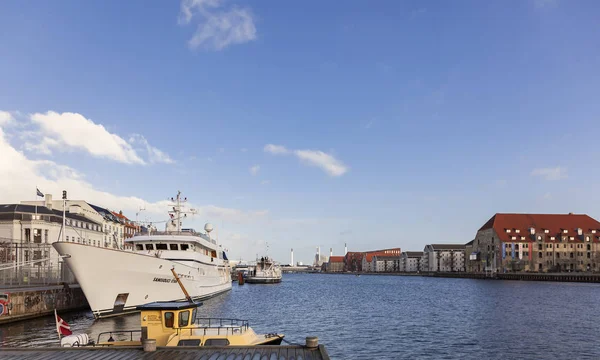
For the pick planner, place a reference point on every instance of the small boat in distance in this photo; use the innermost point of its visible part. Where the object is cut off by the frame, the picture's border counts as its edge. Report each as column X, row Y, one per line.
column 266, row 271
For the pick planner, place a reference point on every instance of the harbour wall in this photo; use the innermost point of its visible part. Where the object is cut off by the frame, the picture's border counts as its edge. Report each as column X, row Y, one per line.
column 561, row 277
column 25, row 303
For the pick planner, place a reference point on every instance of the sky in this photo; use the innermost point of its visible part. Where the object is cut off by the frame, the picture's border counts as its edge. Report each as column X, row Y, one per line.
column 293, row 124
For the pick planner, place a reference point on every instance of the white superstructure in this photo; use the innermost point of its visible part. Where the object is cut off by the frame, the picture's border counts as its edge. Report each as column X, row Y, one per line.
column 116, row 281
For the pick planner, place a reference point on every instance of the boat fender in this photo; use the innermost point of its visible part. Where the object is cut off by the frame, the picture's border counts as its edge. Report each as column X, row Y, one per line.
column 75, row 340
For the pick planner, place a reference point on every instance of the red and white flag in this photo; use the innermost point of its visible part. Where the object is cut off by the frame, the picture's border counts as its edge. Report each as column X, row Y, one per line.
column 62, row 328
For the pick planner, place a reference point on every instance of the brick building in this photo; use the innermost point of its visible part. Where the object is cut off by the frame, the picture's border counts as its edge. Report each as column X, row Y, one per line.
column 537, row 242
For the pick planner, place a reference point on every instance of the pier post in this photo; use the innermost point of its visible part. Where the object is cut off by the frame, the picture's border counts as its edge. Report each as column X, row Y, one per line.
column 312, row 341
column 149, row 345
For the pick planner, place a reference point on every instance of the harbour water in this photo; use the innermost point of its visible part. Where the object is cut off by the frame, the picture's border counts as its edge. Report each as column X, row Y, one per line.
column 392, row 317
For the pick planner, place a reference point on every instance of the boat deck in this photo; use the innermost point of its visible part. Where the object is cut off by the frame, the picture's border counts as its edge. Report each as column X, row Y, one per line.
column 161, row 353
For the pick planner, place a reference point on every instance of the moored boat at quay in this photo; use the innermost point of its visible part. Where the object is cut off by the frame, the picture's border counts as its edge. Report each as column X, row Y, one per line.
column 118, row 281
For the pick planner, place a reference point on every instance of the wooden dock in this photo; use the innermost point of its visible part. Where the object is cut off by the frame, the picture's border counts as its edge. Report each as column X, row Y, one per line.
column 294, row 352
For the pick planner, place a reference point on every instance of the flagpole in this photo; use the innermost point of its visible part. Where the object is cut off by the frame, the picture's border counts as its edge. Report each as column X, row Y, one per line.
column 56, row 322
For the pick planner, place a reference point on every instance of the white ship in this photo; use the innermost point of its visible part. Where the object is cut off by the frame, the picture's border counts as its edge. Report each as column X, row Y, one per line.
column 117, row 281
column 266, row 271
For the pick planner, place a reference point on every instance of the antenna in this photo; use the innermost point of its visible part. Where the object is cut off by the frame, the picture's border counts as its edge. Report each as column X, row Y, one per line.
column 176, row 213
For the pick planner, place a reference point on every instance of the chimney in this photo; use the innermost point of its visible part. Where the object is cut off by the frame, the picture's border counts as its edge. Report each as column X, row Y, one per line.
column 345, row 249
column 292, row 258
column 48, row 201
column 120, row 212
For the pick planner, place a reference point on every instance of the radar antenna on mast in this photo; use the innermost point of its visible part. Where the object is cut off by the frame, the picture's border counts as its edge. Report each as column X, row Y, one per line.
column 177, row 212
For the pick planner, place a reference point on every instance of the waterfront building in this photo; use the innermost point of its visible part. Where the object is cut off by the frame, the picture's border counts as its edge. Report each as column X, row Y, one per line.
column 410, row 261
column 537, row 242
column 129, row 228
column 26, row 232
column 470, row 257
column 444, row 257
column 112, row 226
column 386, row 263
column 335, row 264
column 353, row 261
column 381, row 260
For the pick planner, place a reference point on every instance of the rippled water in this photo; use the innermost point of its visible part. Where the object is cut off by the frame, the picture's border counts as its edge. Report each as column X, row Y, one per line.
column 393, row 317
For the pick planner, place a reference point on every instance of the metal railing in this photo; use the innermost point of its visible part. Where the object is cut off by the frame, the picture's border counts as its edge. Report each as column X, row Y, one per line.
column 216, row 326
column 27, row 264
column 117, row 333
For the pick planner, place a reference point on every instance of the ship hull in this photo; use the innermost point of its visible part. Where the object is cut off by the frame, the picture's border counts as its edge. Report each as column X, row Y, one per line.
column 262, row 280
column 115, row 282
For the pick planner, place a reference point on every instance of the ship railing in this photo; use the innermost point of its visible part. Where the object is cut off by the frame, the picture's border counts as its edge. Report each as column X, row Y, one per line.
column 119, row 335
column 216, row 326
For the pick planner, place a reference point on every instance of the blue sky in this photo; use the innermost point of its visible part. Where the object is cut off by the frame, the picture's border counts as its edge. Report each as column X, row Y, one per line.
column 436, row 114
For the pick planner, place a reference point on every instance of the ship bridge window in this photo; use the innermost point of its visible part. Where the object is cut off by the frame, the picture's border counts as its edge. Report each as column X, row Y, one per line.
column 161, row 246
column 169, row 319
column 184, row 318
column 173, row 247
column 216, row 342
column 149, row 246
column 139, row 247
column 184, row 247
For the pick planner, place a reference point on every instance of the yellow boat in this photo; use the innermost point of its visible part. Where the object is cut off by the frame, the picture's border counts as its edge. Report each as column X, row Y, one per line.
column 175, row 324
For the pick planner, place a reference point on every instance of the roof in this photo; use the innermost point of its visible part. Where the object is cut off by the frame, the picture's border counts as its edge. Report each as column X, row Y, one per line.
column 470, row 243
column 32, row 209
column 168, row 305
column 448, row 246
column 412, row 254
column 553, row 223
column 107, row 214
column 336, row 259
column 387, row 257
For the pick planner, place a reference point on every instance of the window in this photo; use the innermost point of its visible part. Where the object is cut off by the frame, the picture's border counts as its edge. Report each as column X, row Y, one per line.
column 587, row 238
column 216, row 342
column 78, row 240
column 540, row 247
column 589, row 247
column 184, row 318
column 139, row 247
column 46, row 236
column 546, row 231
column 540, row 254
column 571, row 254
column 558, row 255
column 189, row 342
column 184, row 247
column 149, row 246
column 539, row 237
column 589, row 255
column 161, row 246
column 173, row 247
column 169, row 319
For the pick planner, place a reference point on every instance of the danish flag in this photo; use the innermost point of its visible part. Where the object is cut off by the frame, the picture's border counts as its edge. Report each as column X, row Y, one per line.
column 62, row 328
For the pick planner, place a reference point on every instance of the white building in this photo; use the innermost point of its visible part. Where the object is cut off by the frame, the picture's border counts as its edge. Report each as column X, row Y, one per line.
column 112, row 225
column 444, row 257
column 410, row 261
column 28, row 230
column 385, row 263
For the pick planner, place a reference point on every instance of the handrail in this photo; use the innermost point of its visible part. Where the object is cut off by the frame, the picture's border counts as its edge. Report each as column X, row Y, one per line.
column 118, row 332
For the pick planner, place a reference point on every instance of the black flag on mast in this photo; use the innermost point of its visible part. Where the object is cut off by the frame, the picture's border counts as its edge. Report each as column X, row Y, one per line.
column 39, row 193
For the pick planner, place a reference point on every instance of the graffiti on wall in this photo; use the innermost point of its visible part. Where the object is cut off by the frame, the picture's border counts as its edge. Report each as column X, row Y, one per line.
column 5, row 304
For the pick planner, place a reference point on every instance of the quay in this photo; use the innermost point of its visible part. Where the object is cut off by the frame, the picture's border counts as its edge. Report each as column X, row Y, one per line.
column 27, row 302
column 557, row 277
column 295, row 352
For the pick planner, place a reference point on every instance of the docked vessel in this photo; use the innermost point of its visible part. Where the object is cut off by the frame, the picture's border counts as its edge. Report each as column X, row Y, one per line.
column 266, row 271
column 118, row 281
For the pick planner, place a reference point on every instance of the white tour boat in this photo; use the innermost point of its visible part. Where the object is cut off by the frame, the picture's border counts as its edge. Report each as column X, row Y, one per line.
column 117, row 281
column 266, row 271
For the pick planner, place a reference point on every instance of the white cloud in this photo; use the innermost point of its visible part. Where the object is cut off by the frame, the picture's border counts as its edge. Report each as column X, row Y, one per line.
column 21, row 175
column 265, row 182
column 326, row 162
column 275, row 149
column 550, row 174
column 254, row 170
column 70, row 131
column 154, row 155
column 6, row 118
column 217, row 28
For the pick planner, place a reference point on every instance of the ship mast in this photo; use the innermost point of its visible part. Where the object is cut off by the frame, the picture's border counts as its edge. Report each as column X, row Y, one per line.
column 177, row 212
